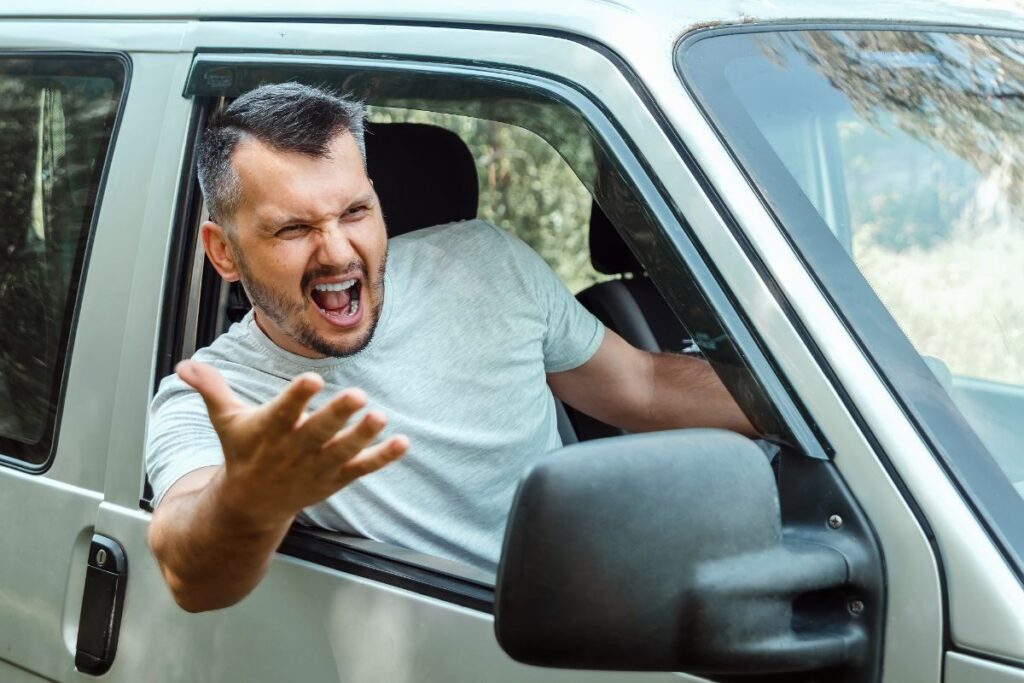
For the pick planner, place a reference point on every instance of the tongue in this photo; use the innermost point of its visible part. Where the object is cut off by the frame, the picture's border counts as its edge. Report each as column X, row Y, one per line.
column 332, row 301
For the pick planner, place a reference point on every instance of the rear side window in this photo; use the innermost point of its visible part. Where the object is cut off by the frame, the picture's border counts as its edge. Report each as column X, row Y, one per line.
column 57, row 116
column 526, row 187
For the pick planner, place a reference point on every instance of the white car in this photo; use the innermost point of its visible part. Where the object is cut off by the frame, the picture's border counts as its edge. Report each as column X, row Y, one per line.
column 825, row 200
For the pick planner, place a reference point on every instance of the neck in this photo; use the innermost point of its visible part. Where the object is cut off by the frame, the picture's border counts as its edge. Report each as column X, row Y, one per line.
column 280, row 338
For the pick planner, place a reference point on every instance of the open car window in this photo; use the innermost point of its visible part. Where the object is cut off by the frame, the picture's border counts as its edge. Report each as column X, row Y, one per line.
column 544, row 166
column 525, row 187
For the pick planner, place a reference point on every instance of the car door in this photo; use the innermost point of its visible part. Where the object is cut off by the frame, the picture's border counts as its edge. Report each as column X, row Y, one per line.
column 73, row 125
column 342, row 609
column 328, row 609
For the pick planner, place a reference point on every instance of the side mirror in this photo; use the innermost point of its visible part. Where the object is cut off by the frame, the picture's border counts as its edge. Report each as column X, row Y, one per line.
column 665, row 552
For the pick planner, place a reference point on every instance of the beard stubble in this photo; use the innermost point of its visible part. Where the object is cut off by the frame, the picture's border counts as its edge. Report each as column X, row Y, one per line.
column 287, row 314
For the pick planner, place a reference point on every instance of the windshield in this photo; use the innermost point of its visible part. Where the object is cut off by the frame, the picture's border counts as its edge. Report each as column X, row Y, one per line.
column 906, row 146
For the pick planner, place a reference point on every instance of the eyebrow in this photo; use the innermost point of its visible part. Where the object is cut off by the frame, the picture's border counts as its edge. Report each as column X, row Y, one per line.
column 272, row 225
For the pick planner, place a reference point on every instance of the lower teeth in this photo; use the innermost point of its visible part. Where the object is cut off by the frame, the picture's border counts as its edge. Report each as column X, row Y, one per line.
column 353, row 307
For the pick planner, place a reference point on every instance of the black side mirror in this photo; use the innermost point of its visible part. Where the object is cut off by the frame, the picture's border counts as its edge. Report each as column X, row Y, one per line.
column 665, row 552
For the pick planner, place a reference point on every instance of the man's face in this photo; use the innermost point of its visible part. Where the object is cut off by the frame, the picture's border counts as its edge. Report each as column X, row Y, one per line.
column 309, row 244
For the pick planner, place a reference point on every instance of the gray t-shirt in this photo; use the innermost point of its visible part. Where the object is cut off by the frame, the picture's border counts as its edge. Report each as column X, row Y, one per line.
column 472, row 320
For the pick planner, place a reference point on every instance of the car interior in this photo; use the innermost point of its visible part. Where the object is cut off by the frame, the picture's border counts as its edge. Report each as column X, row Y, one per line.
column 629, row 304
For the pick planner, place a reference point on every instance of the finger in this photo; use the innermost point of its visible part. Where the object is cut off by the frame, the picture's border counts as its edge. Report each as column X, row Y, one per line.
column 281, row 413
column 220, row 400
column 374, row 458
column 325, row 422
column 350, row 441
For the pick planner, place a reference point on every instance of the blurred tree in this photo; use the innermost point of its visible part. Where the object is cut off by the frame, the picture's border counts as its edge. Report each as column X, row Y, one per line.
column 961, row 94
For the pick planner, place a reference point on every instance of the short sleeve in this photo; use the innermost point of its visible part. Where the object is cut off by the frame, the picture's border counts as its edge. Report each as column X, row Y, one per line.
column 180, row 438
column 573, row 334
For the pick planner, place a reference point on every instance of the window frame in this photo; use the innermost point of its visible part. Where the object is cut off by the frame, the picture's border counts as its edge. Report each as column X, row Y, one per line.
column 926, row 406
column 46, row 448
column 742, row 352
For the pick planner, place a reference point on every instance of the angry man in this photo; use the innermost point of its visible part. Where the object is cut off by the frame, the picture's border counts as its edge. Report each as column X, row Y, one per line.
column 447, row 345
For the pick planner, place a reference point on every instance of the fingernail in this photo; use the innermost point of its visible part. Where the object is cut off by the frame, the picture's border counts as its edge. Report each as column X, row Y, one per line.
column 183, row 369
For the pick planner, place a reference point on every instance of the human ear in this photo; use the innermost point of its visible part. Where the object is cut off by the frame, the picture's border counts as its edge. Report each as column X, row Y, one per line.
column 218, row 250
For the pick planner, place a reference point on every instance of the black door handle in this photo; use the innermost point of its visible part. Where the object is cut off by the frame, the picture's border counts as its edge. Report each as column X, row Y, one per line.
column 100, row 620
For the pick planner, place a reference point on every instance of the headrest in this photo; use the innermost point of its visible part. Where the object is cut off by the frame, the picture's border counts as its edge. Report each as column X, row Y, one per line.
column 424, row 175
column 608, row 253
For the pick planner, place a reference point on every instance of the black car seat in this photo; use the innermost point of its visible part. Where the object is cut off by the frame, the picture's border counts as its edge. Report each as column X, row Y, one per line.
column 630, row 305
column 424, row 175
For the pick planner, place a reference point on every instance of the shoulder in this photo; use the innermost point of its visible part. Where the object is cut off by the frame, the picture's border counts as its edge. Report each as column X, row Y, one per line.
column 458, row 235
column 236, row 354
column 235, row 348
column 466, row 248
column 476, row 242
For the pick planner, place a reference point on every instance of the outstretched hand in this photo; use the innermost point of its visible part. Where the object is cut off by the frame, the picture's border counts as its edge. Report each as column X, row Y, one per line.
column 278, row 458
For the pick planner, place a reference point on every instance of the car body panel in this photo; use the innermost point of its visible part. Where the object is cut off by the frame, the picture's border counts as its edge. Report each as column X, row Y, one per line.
column 45, row 558
column 12, row 674
column 325, row 626
column 961, row 668
column 114, row 354
column 597, row 19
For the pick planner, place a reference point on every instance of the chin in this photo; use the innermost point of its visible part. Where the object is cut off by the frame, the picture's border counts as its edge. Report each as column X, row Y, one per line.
column 338, row 343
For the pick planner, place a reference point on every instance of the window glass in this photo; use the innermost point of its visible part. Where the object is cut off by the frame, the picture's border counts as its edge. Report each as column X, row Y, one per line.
column 525, row 188
column 56, row 119
column 926, row 198
column 909, row 146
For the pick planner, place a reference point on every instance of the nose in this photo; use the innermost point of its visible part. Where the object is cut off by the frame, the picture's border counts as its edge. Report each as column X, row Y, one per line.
column 335, row 249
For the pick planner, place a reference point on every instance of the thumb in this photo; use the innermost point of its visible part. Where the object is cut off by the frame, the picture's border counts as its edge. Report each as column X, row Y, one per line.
column 219, row 399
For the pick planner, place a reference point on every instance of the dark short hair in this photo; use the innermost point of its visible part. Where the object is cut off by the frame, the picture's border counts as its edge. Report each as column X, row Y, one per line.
column 290, row 117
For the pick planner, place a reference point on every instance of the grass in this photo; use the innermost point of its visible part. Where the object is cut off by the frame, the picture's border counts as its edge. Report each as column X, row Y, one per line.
column 961, row 300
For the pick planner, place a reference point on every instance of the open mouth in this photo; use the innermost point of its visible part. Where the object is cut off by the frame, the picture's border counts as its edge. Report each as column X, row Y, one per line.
column 338, row 301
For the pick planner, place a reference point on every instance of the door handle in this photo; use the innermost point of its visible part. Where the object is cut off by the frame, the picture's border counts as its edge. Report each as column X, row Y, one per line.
column 100, row 620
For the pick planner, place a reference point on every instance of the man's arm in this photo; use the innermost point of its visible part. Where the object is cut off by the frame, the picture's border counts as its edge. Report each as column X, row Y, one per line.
column 210, row 556
column 640, row 391
column 215, row 529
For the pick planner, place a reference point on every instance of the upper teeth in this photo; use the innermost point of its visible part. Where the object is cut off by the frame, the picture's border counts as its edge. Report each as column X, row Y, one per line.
column 335, row 286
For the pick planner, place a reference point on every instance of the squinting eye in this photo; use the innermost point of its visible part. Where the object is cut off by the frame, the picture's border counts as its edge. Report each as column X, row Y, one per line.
column 290, row 230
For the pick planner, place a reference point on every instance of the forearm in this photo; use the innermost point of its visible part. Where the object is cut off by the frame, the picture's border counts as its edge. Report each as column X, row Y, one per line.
column 644, row 392
column 211, row 550
column 685, row 392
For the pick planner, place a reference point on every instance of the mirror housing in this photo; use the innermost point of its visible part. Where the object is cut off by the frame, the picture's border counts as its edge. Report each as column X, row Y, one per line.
column 665, row 552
